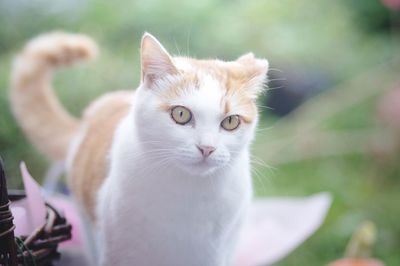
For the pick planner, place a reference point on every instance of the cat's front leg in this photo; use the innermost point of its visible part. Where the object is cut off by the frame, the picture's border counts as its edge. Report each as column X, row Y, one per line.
column 110, row 251
column 101, row 250
column 104, row 234
column 232, row 240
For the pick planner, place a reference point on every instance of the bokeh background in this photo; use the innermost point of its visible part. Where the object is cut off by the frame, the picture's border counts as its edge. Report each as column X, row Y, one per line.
column 330, row 117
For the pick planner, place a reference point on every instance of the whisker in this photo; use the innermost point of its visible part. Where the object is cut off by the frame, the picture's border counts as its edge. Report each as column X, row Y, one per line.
column 275, row 69
column 265, row 107
column 261, row 129
column 259, row 177
column 274, row 88
column 177, row 48
column 276, row 79
column 188, row 40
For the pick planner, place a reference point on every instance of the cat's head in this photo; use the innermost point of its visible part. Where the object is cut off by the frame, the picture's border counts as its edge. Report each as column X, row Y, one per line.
column 197, row 115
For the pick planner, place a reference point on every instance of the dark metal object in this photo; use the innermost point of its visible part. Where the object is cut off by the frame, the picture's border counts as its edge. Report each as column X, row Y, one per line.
column 40, row 247
column 8, row 253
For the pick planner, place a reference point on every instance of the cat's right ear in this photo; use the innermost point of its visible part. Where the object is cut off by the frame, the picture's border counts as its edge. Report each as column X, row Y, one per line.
column 156, row 63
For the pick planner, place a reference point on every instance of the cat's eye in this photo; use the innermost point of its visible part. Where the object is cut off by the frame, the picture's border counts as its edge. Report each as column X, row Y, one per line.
column 231, row 122
column 181, row 115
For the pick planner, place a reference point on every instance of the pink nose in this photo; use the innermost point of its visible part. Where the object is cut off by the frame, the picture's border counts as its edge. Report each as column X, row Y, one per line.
column 205, row 150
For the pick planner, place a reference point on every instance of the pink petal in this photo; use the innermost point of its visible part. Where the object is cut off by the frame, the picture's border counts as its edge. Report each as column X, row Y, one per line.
column 275, row 227
column 35, row 204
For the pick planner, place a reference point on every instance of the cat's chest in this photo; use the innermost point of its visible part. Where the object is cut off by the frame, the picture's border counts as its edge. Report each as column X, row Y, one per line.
column 153, row 211
column 178, row 212
column 183, row 197
column 176, row 201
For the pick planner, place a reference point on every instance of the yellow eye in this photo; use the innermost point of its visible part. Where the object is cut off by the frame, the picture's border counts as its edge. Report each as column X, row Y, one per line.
column 230, row 123
column 181, row 115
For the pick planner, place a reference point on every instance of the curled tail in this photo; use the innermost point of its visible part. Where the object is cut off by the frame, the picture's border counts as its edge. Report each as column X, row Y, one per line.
column 43, row 119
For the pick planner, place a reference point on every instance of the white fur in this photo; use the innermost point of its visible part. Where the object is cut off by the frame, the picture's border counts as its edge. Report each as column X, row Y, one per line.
column 161, row 203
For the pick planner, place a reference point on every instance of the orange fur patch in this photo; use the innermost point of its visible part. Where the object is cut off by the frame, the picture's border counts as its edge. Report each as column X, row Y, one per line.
column 240, row 83
column 45, row 122
column 91, row 161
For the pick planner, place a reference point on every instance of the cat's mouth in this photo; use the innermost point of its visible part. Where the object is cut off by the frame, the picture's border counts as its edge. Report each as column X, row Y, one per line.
column 202, row 167
column 205, row 166
column 203, row 163
column 194, row 164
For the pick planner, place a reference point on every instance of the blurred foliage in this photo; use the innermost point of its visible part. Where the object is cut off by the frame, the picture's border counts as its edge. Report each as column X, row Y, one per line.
column 372, row 16
column 339, row 38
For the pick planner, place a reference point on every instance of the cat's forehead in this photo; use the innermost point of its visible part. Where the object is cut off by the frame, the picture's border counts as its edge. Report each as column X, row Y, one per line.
column 209, row 85
column 208, row 96
column 197, row 89
column 219, row 70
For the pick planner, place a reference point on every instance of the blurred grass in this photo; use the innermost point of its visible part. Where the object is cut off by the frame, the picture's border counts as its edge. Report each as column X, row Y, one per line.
column 322, row 35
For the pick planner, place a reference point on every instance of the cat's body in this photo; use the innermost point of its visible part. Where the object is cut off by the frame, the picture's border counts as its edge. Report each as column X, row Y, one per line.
column 164, row 172
column 175, row 218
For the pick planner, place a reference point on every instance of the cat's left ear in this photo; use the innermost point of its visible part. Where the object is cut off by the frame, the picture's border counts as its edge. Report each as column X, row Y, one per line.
column 259, row 65
column 256, row 70
column 156, row 62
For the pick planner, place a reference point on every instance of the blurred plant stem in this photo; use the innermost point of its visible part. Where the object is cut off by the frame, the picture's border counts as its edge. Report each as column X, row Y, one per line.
column 362, row 240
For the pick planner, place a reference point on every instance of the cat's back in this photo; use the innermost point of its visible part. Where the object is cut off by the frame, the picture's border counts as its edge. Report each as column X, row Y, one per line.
column 88, row 160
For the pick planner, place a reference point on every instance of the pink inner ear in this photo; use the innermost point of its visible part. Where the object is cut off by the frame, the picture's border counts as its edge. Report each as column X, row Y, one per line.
column 156, row 62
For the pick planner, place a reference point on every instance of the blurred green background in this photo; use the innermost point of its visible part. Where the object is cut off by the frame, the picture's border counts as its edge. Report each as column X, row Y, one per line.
column 336, row 59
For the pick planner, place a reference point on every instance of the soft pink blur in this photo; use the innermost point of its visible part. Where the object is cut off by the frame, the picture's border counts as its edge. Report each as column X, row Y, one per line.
column 389, row 108
column 392, row 4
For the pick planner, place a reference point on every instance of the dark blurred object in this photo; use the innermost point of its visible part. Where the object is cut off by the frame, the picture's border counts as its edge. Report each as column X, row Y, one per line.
column 291, row 86
column 40, row 247
column 374, row 15
column 8, row 253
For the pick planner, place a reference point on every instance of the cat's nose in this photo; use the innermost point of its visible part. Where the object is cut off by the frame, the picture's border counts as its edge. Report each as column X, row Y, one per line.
column 205, row 150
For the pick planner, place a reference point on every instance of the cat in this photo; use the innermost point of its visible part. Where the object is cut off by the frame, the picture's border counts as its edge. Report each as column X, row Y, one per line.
column 163, row 172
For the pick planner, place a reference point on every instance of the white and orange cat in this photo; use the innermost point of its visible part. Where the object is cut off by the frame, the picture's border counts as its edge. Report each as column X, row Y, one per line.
column 163, row 172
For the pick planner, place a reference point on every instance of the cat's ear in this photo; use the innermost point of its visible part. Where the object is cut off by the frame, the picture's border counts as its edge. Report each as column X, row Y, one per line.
column 249, row 60
column 246, row 58
column 156, row 63
column 256, row 70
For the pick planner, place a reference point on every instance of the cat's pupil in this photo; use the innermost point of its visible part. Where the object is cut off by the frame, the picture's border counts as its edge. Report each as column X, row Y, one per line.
column 180, row 113
column 230, row 119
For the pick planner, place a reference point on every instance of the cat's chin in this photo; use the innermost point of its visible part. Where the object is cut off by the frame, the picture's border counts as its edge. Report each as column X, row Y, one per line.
column 200, row 169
